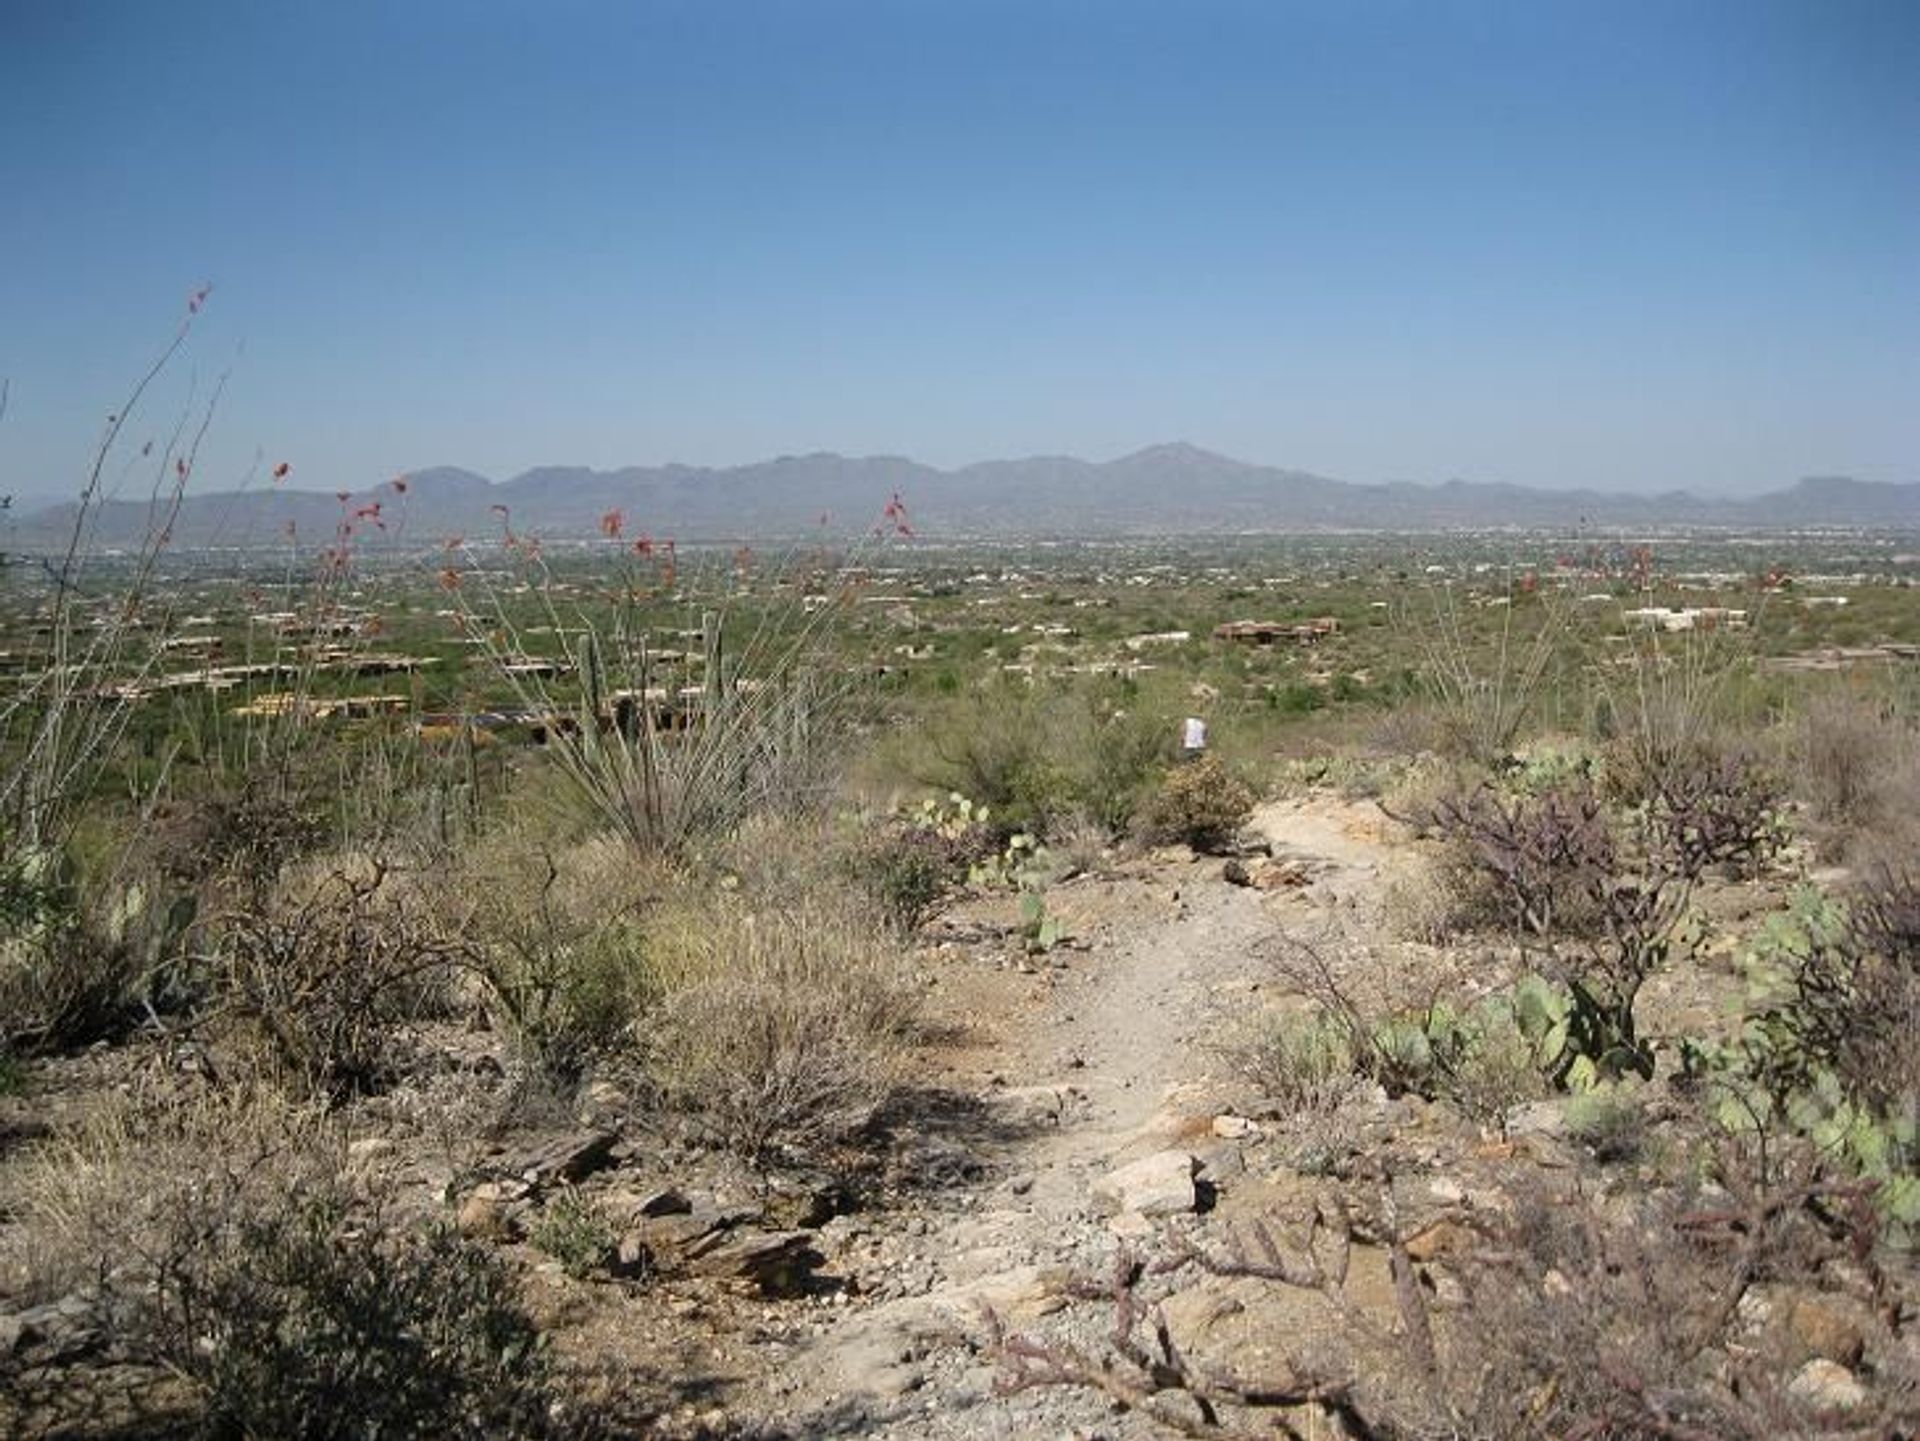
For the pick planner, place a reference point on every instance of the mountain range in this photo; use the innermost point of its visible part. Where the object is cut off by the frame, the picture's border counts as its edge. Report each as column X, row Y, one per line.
column 1163, row 490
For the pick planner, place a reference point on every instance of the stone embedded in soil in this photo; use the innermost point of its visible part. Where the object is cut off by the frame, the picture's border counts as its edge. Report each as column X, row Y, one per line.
column 486, row 1213
column 565, row 1159
column 1545, row 1120
column 1440, row 1238
column 51, row 1332
column 1824, row 1328
column 778, row 1262
column 1159, row 1185
column 664, row 1202
column 1827, row 1386
column 1031, row 1107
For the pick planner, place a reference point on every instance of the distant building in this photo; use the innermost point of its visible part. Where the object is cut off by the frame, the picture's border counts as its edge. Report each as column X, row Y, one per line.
column 1704, row 617
column 1272, row 632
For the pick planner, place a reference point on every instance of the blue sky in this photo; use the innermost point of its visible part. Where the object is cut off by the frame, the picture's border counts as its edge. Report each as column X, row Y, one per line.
column 1618, row 244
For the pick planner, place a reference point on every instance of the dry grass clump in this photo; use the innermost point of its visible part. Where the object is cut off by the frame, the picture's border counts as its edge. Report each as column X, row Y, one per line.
column 221, row 1244
column 1856, row 769
column 1445, row 897
column 775, row 1031
column 1201, row 803
column 1300, row 1062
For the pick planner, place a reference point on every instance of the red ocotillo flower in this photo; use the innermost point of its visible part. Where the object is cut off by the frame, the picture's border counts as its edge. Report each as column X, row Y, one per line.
column 612, row 523
column 281, row 471
column 399, row 485
column 199, row 298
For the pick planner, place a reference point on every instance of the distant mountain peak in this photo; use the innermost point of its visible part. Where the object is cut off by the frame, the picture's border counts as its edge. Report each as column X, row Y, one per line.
column 1180, row 452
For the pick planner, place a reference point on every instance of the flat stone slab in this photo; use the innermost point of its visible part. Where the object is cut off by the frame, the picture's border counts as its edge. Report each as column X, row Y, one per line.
column 1157, row 1185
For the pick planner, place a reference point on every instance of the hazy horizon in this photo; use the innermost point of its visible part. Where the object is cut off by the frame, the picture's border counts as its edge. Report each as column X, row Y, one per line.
column 1636, row 247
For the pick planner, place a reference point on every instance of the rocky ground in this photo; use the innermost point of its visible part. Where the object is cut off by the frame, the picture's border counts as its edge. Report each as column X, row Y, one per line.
column 1075, row 1106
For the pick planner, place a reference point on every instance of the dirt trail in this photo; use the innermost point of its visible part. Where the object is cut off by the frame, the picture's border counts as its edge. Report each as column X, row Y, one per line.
column 1112, row 1065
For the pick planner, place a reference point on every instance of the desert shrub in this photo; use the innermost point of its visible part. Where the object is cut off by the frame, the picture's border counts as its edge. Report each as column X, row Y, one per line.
column 218, row 1240
column 575, row 1232
column 1298, row 1061
column 1114, row 765
column 1565, row 1320
column 995, row 747
column 1546, row 853
column 1445, row 897
column 1844, row 744
column 58, row 989
column 1478, row 1057
column 1576, row 1323
column 243, row 833
column 221, row 1244
column 910, row 864
column 1719, row 809
column 1411, row 729
column 317, row 1331
column 1201, row 803
column 1493, row 1065
column 1892, row 838
column 315, row 984
column 1607, row 1122
column 1851, row 1004
column 1080, row 844
column 1036, row 761
column 775, row 1033
column 74, row 967
column 556, row 938
column 908, row 872
column 1605, row 903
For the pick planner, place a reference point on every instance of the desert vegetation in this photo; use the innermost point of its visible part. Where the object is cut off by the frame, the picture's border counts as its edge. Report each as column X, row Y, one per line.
column 520, row 986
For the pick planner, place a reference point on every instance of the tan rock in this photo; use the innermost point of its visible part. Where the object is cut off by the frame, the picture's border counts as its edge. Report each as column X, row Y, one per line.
column 1827, row 1386
column 1824, row 1328
column 483, row 1217
column 1437, row 1239
column 1158, row 1185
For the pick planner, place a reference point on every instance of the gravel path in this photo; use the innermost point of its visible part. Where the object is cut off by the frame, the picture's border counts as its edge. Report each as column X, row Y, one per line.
column 1114, row 1067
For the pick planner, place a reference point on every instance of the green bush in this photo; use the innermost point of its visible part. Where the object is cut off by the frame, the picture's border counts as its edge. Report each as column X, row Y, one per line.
column 910, row 864
column 557, row 937
column 574, row 1231
column 312, row 1333
column 1040, row 760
